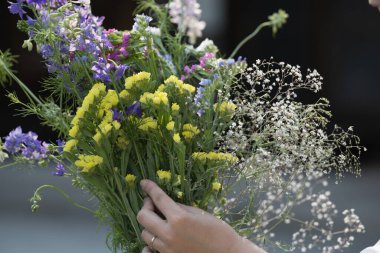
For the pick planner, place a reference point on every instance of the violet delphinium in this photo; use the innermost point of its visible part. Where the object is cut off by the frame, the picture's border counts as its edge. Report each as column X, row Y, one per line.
column 135, row 110
column 27, row 144
column 59, row 170
column 16, row 8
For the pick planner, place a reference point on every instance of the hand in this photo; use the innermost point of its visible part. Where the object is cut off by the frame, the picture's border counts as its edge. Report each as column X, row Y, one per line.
column 375, row 3
column 185, row 229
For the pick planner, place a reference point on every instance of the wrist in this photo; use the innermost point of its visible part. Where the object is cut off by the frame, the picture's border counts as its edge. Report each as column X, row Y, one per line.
column 243, row 245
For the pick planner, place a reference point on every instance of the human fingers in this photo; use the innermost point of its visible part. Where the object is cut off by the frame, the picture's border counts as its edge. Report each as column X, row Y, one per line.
column 191, row 209
column 153, row 242
column 162, row 201
column 150, row 220
column 148, row 204
column 146, row 250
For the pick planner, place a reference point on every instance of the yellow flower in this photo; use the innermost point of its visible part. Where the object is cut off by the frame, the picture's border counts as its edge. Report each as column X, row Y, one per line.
column 170, row 126
column 180, row 195
column 180, row 85
column 175, row 108
column 110, row 100
column 148, row 123
column 122, row 142
column 200, row 156
column 132, row 80
column 130, row 179
column 124, row 94
column 161, row 87
column 164, row 175
column 189, row 131
column 74, row 131
column 176, row 138
column 146, row 97
column 216, row 186
column 225, row 108
column 97, row 137
column 189, row 88
column 88, row 162
column 69, row 145
column 116, row 124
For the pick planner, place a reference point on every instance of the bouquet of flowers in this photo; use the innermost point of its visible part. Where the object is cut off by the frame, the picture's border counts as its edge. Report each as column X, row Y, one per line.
column 220, row 134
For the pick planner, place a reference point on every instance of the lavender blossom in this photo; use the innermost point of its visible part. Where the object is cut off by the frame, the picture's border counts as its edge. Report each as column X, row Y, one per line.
column 14, row 141
column 59, row 170
column 135, row 110
column 16, row 8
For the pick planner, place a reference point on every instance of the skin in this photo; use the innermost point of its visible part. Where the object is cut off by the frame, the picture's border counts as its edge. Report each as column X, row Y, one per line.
column 375, row 3
column 185, row 229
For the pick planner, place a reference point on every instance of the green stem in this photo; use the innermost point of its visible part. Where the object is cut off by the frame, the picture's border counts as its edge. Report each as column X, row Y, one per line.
column 249, row 37
column 8, row 165
column 64, row 194
column 25, row 88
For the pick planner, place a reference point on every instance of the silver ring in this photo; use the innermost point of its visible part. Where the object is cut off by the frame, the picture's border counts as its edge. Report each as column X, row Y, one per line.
column 152, row 242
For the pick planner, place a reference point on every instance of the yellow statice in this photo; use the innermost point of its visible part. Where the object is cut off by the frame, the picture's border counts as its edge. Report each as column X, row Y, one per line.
column 96, row 91
column 199, row 156
column 189, row 131
column 110, row 100
column 175, row 108
column 124, row 94
column 74, row 131
column 157, row 98
column 104, row 128
column 130, row 179
column 88, row 162
column 148, row 123
column 180, row 85
column 170, row 126
column 69, row 145
column 216, row 186
column 160, row 98
column 133, row 80
column 176, row 138
column 225, row 108
column 164, row 175
column 214, row 156
column 122, row 141
column 180, row 195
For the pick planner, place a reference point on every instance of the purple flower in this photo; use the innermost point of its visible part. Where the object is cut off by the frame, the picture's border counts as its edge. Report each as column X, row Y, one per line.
column 205, row 82
column 120, row 71
column 46, row 51
column 134, row 109
column 102, row 70
column 30, row 21
column 59, row 170
column 116, row 114
column 14, row 141
column 16, row 8
column 39, row 2
column 60, row 145
column 200, row 112
column 34, row 148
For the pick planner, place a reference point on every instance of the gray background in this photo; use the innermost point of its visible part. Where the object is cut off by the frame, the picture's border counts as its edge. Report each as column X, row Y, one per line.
column 340, row 38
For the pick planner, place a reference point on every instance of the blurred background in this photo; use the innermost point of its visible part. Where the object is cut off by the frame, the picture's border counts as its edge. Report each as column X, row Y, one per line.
column 340, row 38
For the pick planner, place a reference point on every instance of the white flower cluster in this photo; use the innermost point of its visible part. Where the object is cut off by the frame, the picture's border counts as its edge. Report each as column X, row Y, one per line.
column 285, row 153
column 186, row 14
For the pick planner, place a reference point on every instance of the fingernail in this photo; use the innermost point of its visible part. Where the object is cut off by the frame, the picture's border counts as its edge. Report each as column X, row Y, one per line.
column 143, row 183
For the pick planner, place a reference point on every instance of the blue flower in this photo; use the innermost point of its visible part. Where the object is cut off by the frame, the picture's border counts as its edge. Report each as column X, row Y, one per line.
column 16, row 8
column 46, row 51
column 30, row 21
column 39, row 2
column 14, row 141
column 59, row 170
column 116, row 114
column 120, row 71
column 60, row 145
column 205, row 82
column 134, row 109
column 34, row 148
